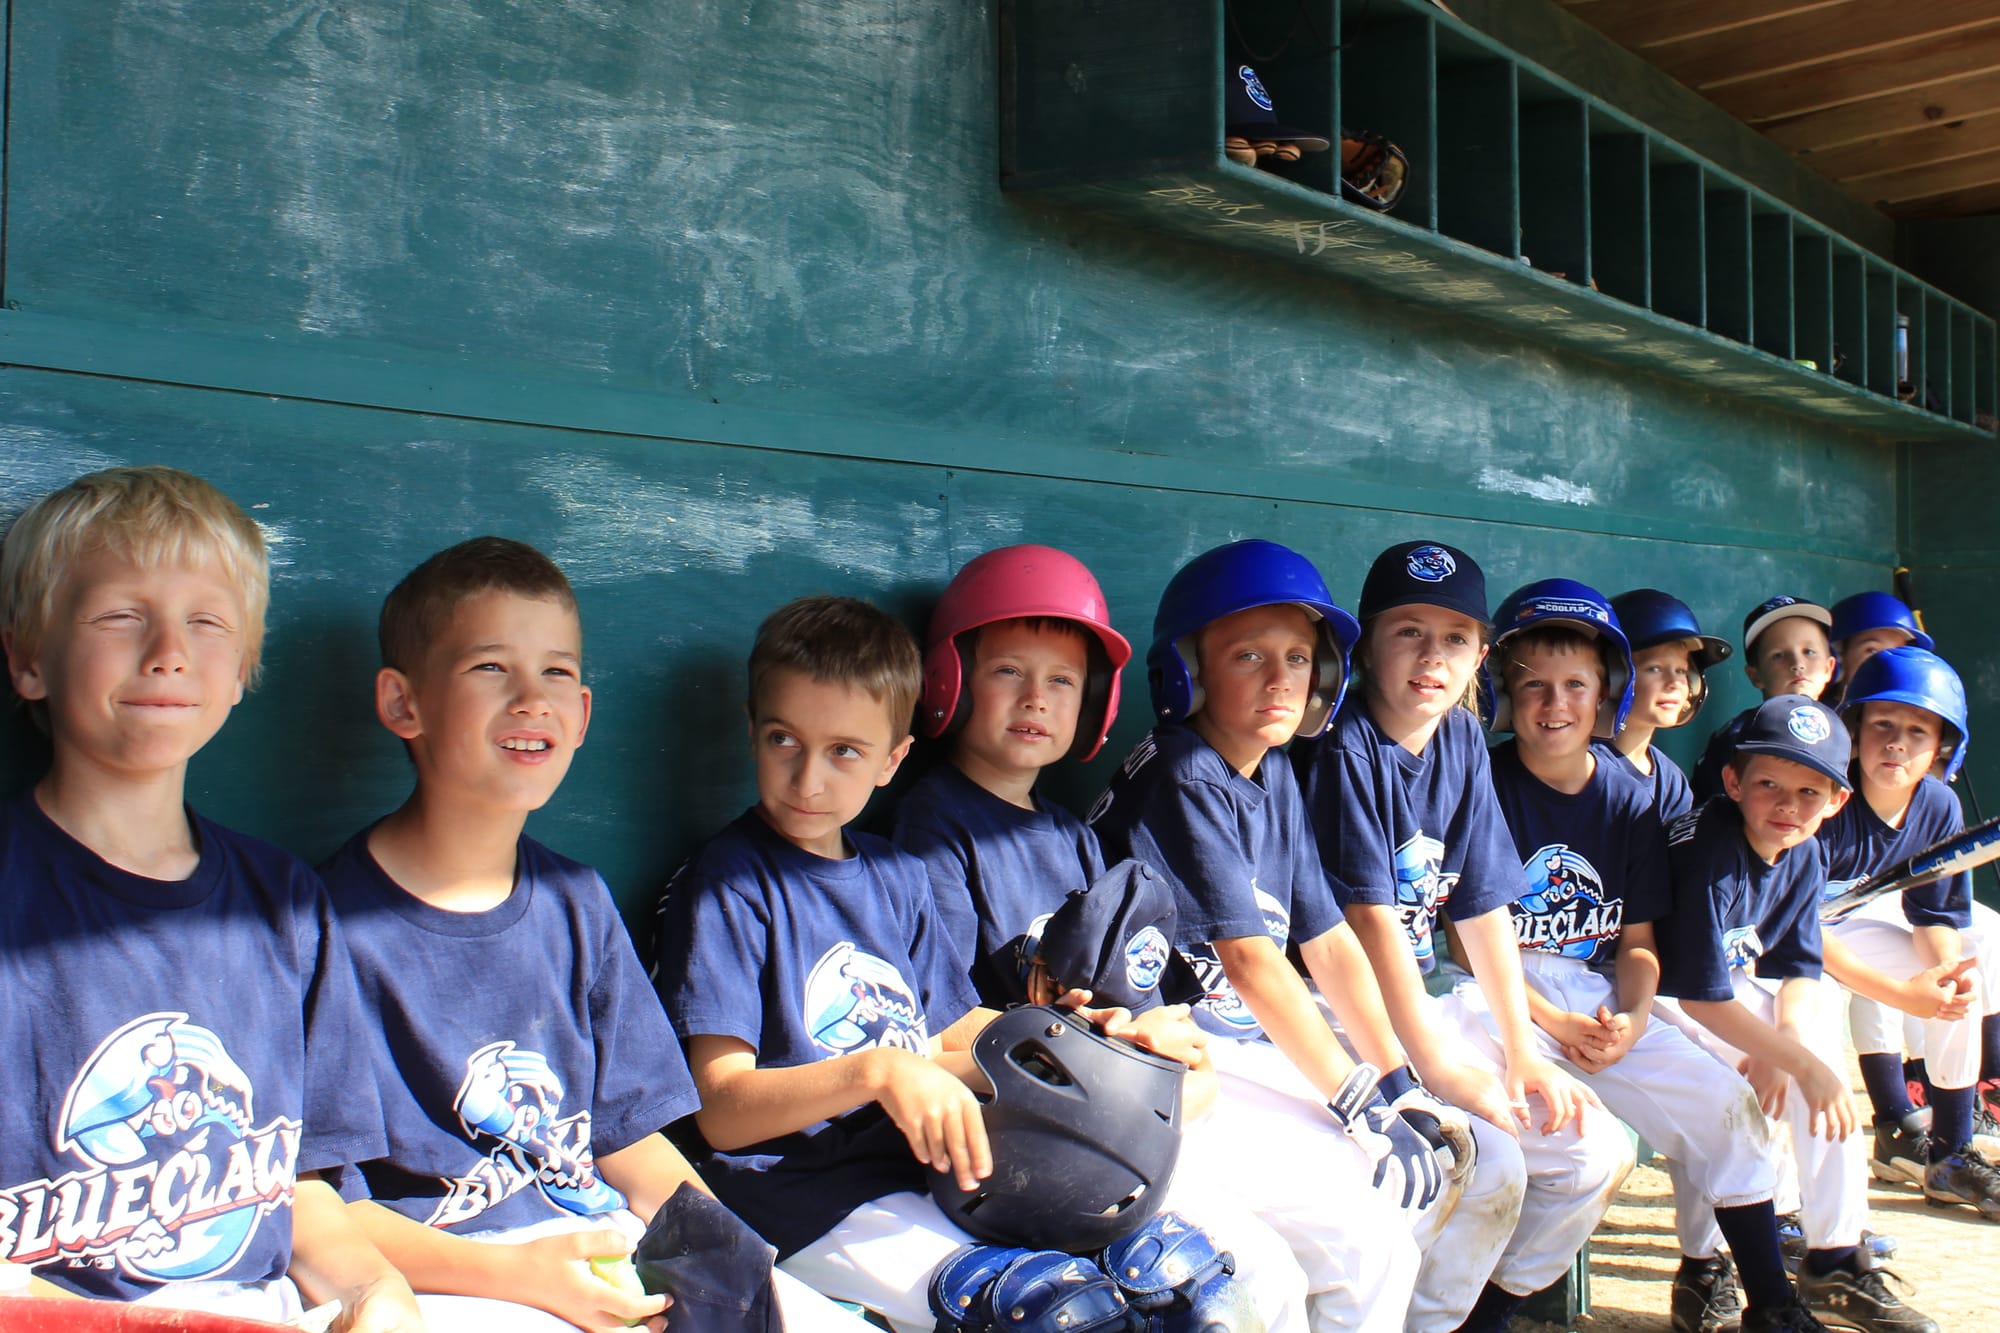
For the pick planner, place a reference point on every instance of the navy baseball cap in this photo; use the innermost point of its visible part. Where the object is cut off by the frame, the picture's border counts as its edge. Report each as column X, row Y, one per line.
column 1805, row 731
column 1116, row 940
column 1247, row 112
column 1427, row 573
column 714, row 1266
column 1767, row 614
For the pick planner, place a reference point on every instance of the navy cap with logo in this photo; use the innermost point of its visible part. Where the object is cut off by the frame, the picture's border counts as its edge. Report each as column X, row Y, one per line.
column 1426, row 573
column 1115, row 939
column 1769, row 613
column 1805, row 731
column 1249, row 114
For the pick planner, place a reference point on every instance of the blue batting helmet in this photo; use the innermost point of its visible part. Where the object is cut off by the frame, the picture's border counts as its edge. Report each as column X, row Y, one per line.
column 1920, row 678
column 1551, row 602
column 1651, row 617
column 1235, row 578
column 1874, row 610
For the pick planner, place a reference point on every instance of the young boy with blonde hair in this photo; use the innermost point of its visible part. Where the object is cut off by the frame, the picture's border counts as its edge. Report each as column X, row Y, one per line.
column 181, row 991
column 1593, row 855
column 525, row 1067
column 1670, row 659
column 1786, row 650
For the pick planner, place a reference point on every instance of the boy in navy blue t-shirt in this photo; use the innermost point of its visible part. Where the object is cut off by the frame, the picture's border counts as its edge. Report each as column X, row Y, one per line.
column 1785, row 651
column 1670, row 659
column 828, row 1021
column 179, row 993
column 1741, row 953
column 526, row 1067
column 1594, row 858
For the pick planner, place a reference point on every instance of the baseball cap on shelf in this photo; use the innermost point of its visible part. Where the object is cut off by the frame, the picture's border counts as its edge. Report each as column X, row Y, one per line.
column 1769, row 613
column 1116, row 940
column 1805, row 731
column 1427, row 573
column 1248, row 113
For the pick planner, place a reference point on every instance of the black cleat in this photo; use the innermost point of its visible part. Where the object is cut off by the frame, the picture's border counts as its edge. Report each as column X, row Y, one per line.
column 1781, row 1319
column 1964, row 1178
column 1705, row 1299
column 1902, row 1151
column 1857, row 1296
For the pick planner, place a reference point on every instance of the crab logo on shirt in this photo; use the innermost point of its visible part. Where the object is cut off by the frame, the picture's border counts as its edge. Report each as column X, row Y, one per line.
column 1741, row 947
column 1224, row 1009
column 1421, row 888
column 1253, row 86
column 1432, row 564
column 855, row 1001
column 1146, row 959
column 1564, row 910
column 1808, row 724
column 177, row 1175
column 511, row 1104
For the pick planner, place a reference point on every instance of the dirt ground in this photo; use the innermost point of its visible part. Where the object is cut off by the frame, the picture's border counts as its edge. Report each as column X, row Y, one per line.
column 1949, row 1257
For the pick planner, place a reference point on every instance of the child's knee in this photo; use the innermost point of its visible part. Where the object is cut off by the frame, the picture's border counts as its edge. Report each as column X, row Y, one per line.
column 1584, row 1161
column 1501, row 1172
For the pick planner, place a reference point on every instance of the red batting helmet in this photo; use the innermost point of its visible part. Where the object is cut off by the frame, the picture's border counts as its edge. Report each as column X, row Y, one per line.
column 1014, row 583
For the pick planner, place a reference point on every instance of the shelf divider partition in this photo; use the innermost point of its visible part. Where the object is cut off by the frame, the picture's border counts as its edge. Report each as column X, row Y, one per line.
column 1531, row 206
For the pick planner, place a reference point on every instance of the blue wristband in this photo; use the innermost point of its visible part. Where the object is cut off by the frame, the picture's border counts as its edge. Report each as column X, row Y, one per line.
column 1396, row 1082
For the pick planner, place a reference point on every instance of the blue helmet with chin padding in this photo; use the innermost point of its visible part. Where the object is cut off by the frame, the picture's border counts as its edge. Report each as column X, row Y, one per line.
column 1565, row 602
column 1650, row 618
column 1238, row 577
column 1875, row 610
column 1920, row 678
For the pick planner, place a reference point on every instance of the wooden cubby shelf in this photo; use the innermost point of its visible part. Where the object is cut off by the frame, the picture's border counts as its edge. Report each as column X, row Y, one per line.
column 1531, row 205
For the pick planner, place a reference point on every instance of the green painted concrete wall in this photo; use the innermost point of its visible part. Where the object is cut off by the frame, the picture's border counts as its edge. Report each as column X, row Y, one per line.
column 720, row 303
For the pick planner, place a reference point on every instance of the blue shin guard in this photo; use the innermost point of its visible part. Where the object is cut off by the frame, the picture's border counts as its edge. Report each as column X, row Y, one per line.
column 1172, row 1274
column 987, row 1288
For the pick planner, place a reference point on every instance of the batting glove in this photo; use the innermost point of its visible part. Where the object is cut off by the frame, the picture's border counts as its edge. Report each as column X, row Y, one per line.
column 1407, row 1167
column 1445, row 1127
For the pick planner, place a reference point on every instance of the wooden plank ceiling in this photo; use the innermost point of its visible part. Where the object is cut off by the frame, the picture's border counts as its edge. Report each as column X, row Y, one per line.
column 1896, row 100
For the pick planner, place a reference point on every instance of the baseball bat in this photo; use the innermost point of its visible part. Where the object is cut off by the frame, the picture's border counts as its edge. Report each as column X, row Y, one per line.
column 1906, row 593
column 1961, row 851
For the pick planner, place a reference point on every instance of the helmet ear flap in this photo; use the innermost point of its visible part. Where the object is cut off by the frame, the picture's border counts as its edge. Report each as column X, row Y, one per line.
column 943, row 707
column 1189, row 653
column 1171, row 678
column 1330, row 672
column 1094, row 719
column 1697, row 693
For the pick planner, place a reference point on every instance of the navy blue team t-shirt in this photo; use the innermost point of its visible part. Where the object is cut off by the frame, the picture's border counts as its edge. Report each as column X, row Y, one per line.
column 1858, row 844
column 1672, row 796
column 183, row 1050
column 518, row 1044
column 996, row 872
column 1595, row 862
column 1237, row 850
column 1732, row 911
column 805, row 958
column 1419, row 832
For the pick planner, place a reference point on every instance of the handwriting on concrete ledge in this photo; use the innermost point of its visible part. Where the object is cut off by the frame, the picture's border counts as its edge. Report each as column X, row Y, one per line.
column 1356, row 245
column 1360, row 246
